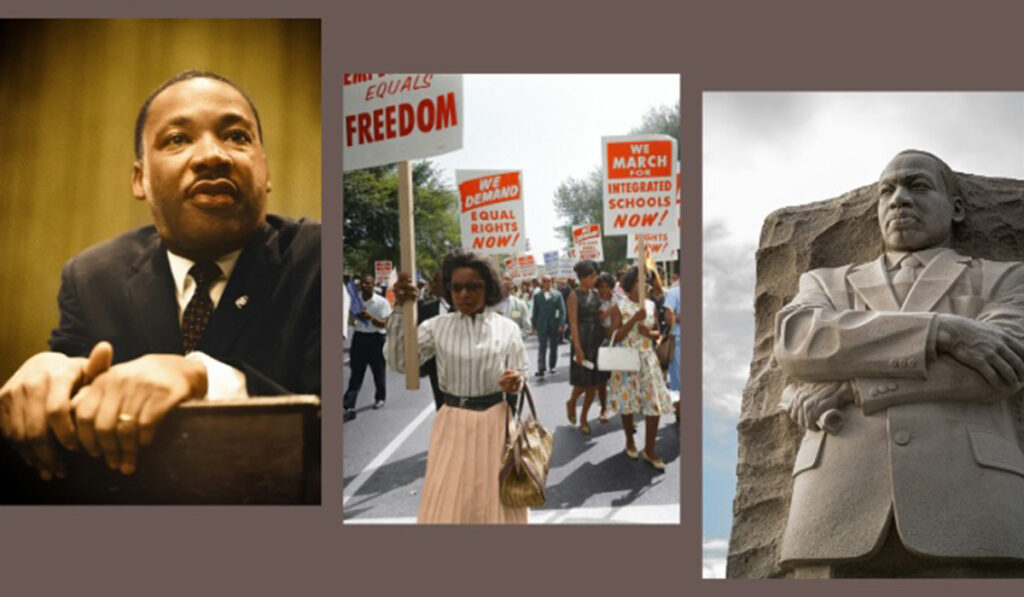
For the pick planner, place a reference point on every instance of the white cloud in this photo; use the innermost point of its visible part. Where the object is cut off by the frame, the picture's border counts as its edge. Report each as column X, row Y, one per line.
column 728, row 335
column 727, row 405
column 715, row 552
column 763, row 151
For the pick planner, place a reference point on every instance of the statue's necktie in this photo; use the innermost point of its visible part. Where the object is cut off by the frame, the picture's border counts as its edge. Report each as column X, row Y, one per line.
column 197, row 313
column 904, row 278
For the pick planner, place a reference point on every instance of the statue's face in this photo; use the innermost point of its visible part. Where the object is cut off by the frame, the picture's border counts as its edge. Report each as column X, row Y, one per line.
column 915, row 210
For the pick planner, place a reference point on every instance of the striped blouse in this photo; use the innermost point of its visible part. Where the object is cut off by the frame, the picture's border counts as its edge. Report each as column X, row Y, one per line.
column 471, row 351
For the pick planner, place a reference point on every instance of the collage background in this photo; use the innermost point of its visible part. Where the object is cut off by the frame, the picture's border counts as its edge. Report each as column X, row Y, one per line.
column 717, row 46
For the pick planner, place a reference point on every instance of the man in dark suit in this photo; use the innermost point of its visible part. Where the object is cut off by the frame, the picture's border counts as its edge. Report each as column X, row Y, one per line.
column 919, row 357
column 428, row 307
column 549, row 322
column 216, row 299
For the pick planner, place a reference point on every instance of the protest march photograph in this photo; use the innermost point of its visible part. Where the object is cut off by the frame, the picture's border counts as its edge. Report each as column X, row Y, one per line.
column 511, row 305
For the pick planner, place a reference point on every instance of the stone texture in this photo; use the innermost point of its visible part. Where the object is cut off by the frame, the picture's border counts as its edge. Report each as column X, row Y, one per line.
column 793, row 240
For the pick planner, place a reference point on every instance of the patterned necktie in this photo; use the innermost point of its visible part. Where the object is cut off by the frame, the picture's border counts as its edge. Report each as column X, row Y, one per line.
column 197, row 313
column 904, row 278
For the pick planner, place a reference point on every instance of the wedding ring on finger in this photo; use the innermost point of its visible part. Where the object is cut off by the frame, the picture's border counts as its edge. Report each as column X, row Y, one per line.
column 125, row 418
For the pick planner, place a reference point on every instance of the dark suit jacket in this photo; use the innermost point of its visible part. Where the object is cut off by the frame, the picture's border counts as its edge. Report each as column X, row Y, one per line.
column 548, row 312
column 267, row 323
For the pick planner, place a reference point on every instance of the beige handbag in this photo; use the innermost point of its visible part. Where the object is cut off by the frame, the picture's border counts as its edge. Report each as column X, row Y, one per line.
column 527, row 456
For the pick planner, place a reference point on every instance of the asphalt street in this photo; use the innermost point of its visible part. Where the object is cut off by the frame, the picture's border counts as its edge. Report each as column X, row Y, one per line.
column 591, row 480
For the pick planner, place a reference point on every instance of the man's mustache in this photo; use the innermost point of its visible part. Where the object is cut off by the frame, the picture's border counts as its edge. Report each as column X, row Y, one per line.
column 213, row 185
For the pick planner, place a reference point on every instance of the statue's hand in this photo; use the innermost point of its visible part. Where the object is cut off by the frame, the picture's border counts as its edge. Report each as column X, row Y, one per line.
column 807, row 401
column 988, row 349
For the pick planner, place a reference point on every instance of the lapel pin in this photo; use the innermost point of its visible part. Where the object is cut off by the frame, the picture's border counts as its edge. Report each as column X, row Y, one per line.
column 242, row 301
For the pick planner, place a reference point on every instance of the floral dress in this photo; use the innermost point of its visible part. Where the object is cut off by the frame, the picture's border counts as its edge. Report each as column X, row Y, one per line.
column 644, row 391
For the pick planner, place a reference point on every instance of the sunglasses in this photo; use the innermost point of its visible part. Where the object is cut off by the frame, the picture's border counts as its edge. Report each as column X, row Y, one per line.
column 456, row 287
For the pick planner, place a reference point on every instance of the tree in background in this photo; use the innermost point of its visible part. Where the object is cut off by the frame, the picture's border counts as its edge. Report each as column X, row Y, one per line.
column 370, row 224
column 578, row 200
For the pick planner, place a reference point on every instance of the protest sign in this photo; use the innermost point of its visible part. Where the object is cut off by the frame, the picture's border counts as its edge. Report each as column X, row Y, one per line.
column 512, row 267
column 551, row 263
column 661, row 244
column 398, row 118
column 382, row 272
column 638, row 185
column 526, row 268
column 391, row 118
column 586, row 239
column 565, row 267
column 491, row 208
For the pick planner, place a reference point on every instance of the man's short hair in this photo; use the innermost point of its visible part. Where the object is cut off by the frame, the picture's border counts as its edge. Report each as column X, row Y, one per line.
column 949, row 178
column 460, row 257
column 140, row 121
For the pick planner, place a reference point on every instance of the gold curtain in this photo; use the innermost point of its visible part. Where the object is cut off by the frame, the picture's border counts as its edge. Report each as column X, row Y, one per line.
column 69, row 94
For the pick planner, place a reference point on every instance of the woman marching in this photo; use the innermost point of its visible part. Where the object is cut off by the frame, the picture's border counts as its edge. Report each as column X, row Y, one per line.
column 611, row 319
column 480, row 355
column 642, row 392
column 583, row 308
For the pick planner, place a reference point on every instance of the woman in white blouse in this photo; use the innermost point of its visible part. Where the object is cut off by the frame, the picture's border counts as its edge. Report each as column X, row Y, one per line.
column 480, row 355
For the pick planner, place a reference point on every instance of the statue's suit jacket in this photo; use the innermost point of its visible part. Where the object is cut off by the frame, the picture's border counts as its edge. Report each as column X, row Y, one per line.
column 548, row 311
column 929, row 446
column 266, row 324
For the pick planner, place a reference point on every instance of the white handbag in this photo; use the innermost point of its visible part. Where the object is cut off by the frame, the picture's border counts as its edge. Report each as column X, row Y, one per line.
column 618, row 358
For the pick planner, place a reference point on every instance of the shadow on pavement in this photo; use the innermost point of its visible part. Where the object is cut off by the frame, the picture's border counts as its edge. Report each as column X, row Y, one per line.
column 618, row 474
column 387, row 478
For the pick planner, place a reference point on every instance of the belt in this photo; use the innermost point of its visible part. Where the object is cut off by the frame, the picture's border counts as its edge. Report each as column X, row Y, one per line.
column 473, row 402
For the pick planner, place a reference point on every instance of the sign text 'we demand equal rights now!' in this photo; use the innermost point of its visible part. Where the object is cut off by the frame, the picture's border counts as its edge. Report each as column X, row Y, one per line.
column 491, row 205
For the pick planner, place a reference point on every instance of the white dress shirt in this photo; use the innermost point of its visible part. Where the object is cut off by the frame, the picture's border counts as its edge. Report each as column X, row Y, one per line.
column 222, row 380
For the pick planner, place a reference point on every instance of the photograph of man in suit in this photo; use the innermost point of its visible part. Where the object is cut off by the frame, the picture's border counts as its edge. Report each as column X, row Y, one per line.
column 918, row 357
column 215, row 299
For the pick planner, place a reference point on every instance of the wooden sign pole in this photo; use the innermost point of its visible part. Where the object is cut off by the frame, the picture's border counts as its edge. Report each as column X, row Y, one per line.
column 641, row 253
column 407, row 241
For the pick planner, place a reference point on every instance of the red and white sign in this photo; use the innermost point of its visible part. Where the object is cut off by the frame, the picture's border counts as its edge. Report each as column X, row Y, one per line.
column 526, row 268
column 586, row 239
column 391, row 118
column 664, row 245
column 382, row 271
column 512, row 267
column 639, row 184
column 660, row 244
column 491, row 207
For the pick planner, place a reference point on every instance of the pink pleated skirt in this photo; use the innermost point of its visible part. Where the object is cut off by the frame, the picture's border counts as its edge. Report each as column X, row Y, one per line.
column 463, row 463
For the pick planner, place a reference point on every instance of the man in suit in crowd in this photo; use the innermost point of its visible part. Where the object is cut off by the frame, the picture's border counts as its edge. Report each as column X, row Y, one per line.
column 215, row 299
column 549, row 322
column 920, row 353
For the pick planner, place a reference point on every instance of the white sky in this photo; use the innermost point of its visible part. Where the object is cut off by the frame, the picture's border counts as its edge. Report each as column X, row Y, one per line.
column 550, row 127
column 763, row 151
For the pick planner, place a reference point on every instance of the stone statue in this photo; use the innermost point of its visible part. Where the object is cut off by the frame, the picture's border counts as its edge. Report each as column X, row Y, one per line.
column 904, row 371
